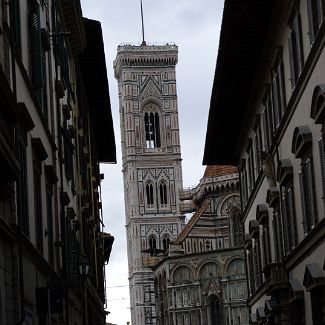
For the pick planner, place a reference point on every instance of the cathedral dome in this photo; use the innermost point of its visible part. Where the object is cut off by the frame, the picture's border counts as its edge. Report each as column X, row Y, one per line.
column 219, row 170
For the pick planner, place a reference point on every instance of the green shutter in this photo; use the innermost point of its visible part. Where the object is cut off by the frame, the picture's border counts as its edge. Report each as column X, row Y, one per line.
column 36, row 49
column 15, row 23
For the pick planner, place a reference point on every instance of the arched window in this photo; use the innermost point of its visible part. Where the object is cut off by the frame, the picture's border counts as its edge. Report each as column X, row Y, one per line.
column 163, row 193
column 238, row 229
column 152, row 246
column 152, row 129
column 166, row 242
column 149, row 193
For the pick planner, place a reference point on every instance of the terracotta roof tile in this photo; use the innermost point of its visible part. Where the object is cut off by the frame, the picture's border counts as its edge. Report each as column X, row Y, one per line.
column 219, row 170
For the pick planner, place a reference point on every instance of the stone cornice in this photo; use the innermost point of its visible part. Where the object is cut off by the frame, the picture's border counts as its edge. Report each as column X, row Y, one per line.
column 144, row 56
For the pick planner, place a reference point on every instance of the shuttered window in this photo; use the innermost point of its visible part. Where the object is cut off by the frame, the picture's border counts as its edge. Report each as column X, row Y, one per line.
column 278, row 234
column 308, row 204
column 316, row 10
column 38, row 204
column 36, row 50
column 15, row 23
column 288, row 217
column 268, row 120
column 22, row 199
column 278, row 92
column 321, row 144
column 295, row 50
column 243, row 184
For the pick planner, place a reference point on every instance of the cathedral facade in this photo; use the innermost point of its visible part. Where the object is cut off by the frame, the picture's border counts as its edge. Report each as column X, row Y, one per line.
column 202, row 279
column 151, row 157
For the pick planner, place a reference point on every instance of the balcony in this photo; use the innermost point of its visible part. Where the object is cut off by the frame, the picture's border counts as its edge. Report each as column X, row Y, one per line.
column 185, row 194
column 149, row 261
column 276, row 278
column 187, row 206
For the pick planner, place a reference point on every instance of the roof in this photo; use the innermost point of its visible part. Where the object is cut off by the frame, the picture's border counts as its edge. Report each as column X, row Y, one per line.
column 243, row 31
column 219, row 170
column 94, row 75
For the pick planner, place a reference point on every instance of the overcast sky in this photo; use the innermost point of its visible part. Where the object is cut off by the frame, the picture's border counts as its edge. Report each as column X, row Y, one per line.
column 194, row 26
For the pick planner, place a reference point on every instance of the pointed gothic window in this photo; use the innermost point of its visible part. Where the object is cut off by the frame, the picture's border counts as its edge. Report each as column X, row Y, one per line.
column 238, row 228
column 152, row 245
column 149, row 194
column 163, row 193
column 152, row 129
column 166, row 242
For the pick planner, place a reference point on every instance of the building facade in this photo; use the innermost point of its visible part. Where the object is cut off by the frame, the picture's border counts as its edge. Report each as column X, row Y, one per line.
column 269, row 91
column 202, row 277
column 50, row 149
column 152, row 171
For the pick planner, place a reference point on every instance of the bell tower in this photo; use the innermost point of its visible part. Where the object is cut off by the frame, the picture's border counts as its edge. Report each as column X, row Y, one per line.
column 151, row 156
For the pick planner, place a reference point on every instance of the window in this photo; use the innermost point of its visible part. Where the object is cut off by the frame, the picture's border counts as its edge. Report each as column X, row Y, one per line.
column 166, row 242
column 268, row 125
column 238, row 229
column 163, row 193
column 68, row 153
column 254, row 232
column 149, row 194
column 285, row 178
column 39, row 154
column 50, row 225
column 152, row 129
column 316, row 10
column 220, row 242
column 262, row 216
column 250, row 264
column 243, row 184
column 38, row 204
column 278, row 92
column 152, row 246
column 15, row 23
column 295, row 48
column 22, row 199
column 307, row 189
column 251, row 168
column 301, row 147
column 258, row 144
column 278, row 235
column 36, row 51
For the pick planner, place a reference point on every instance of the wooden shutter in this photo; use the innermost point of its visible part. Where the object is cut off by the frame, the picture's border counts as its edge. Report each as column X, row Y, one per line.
column 275, row 97
column 291, row 60
column 309, row 188
column 36, row 47
column 303, row 205
column 300, row 55
column 292, row 217
column 322, row 162
column 285, row 221
column 311, row 20
column 15, row 23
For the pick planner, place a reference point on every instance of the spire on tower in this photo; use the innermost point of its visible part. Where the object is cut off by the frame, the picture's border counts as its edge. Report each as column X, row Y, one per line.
column 143, row 41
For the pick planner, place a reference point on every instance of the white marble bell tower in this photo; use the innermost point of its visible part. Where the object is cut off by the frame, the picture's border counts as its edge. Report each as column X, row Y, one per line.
column 152, row 170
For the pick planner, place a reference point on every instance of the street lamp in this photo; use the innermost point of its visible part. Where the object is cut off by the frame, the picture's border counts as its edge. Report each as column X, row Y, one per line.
column 84, row 265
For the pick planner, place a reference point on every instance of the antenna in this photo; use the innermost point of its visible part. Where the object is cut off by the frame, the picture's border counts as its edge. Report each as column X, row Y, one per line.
column 143, row 41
